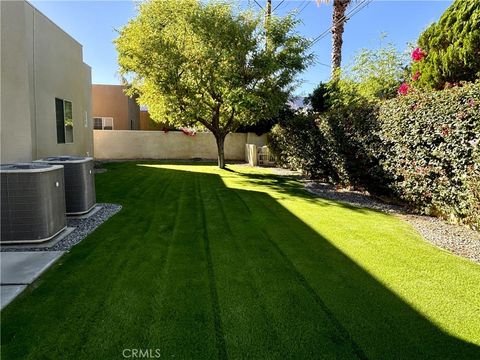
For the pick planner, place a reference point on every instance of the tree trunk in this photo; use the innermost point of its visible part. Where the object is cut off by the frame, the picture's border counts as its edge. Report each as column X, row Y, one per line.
column 339, row 9
column 221, row 152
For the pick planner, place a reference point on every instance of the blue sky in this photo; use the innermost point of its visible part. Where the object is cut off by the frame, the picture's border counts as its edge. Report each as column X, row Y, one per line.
column 93, row 24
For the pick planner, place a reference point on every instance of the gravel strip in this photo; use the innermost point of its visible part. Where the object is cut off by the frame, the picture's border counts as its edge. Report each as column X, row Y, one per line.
column 357, row 198
column 457, row 239
column 83, row 227
column 285, row 172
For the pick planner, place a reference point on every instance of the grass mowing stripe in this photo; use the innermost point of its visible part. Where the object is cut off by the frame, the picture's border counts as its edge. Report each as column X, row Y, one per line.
column 120, row 308
column 301, row 279
column 219, row 336
column 244, row 301
column 159, row 289
column 239, row 219
column 186, row 302
column 131, row 301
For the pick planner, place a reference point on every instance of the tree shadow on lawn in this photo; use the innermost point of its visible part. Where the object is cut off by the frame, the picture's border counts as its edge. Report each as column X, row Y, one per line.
column 226, row 273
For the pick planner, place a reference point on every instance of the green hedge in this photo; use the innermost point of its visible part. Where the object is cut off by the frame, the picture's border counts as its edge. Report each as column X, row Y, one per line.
column 339, row 145
column 299, row 144
column 422, row 148
column 429, row 146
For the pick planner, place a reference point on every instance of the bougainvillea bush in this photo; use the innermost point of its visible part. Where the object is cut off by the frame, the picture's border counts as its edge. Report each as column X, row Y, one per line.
column 430, row 148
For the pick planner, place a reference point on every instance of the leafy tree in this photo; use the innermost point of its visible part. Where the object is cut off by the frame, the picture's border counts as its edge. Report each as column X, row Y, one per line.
column 204, row 63
column 263, row 126
column 451, row 46
column 319, row 98
column 378, row 72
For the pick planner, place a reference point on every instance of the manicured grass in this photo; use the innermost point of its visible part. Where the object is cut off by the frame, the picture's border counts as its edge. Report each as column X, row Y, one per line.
column 202, row 264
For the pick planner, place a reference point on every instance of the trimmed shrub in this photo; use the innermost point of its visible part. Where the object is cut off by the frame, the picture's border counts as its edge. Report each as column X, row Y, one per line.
column 423, row 148
column 298, row 143
column 430, row 149
column 352, row 133
column 338, row 145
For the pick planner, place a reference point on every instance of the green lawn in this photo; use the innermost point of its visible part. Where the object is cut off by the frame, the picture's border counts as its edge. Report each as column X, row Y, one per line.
column 202, row 264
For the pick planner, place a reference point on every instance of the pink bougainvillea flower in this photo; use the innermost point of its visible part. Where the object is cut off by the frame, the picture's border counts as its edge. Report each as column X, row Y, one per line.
column 403, row 89
column 418, row 54
column 471, row 102
column 188, row 132
column 416, row 76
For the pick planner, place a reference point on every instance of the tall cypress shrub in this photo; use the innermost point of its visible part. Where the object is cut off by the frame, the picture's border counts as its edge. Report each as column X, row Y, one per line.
column 451, row 47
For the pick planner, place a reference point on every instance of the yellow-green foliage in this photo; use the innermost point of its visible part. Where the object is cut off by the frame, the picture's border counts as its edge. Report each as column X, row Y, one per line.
column 204, row 63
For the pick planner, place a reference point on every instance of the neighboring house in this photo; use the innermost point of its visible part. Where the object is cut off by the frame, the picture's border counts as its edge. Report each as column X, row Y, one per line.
column 146, row 122
column 45, row 88
column 113, row 110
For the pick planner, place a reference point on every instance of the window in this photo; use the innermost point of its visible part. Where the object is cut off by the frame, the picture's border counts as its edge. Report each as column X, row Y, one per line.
column 103, row 123
column 64, row 120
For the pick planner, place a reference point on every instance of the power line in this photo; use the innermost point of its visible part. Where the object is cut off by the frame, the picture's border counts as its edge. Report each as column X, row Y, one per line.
column 304, row 7
column 261, row 7
column 323, row 64
column 344, row 18
column 275, row 8
column 348, row 16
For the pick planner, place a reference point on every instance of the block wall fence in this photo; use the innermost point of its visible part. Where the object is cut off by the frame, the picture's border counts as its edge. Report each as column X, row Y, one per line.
column 134, row 144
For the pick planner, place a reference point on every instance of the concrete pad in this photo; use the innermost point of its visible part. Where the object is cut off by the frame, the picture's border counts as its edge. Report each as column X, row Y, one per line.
column 9, row 292
column 43, row 245
column 87, row 215
column 22, row 268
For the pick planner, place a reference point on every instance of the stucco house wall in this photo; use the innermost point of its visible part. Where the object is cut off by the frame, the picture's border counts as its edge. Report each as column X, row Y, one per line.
column 40, row 62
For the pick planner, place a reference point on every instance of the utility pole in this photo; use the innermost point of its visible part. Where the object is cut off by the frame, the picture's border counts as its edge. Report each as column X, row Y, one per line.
column 268, row 15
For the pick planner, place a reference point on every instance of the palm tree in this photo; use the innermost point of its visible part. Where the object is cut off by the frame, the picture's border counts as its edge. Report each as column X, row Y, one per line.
column 338, row 26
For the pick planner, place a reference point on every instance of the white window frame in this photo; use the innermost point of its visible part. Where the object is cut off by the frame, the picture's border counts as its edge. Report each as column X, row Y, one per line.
column 107, row 121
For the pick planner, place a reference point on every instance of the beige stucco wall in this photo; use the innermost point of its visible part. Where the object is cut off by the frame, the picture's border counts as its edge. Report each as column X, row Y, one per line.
column 111, row 101
column 16, row 126
column 39, row 63
column 124, row 144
